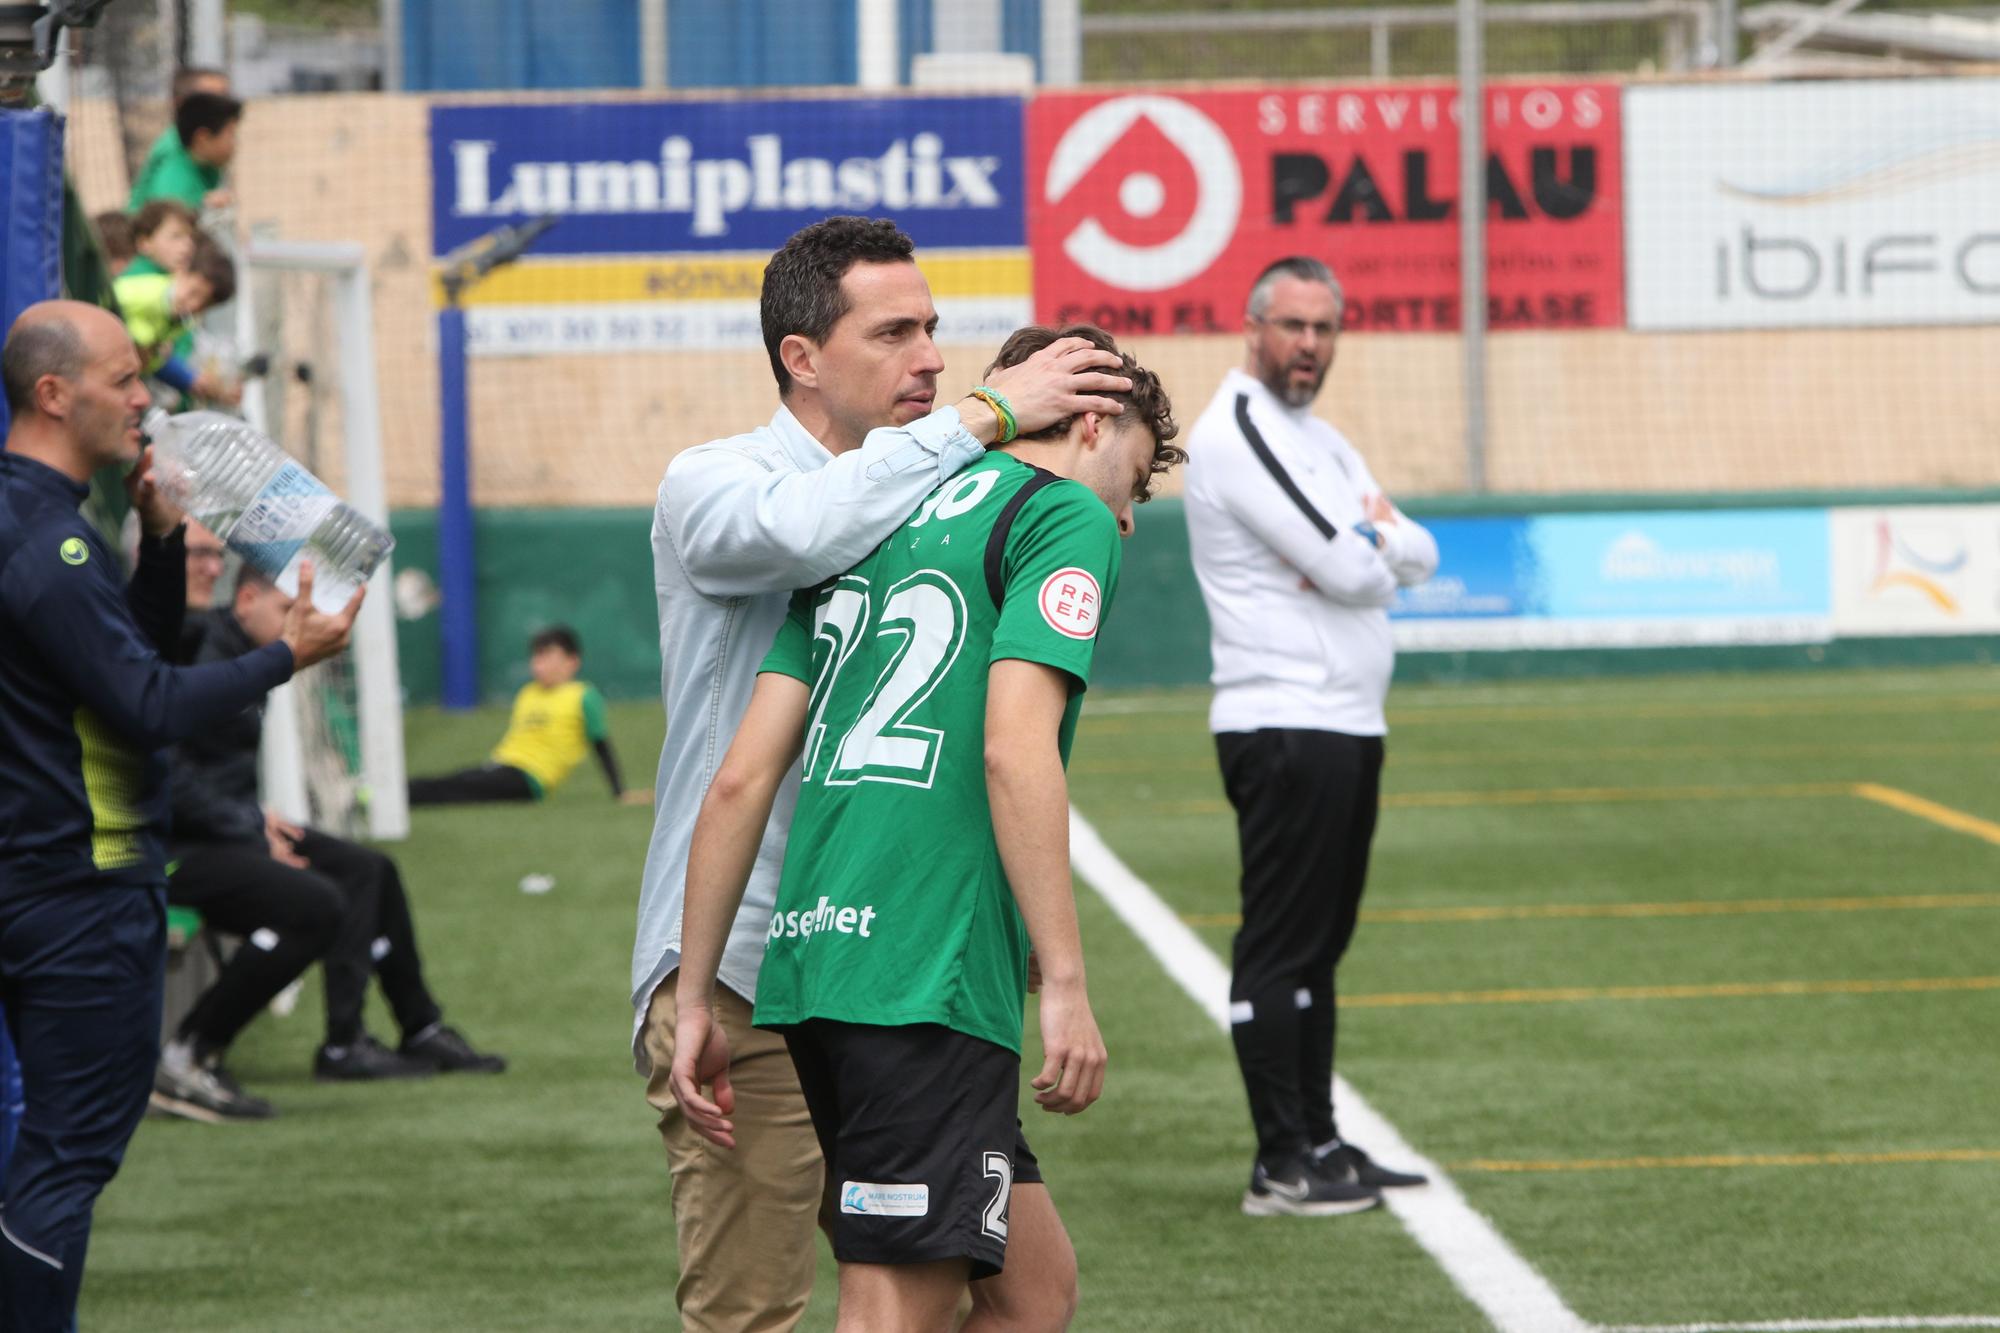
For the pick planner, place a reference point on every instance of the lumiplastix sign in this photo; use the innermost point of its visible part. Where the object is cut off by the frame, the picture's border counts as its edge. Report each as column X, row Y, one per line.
column 1152, row 212
column 1813, row 205
column 671, row 177
column 666, row 211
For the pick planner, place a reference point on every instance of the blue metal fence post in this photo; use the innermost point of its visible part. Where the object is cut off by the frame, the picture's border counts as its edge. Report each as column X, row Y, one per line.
column 458, row 614
column 31, row 229
column 458, row 581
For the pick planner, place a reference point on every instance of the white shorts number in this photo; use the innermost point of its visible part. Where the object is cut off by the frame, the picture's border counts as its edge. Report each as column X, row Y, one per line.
column 999, row 1170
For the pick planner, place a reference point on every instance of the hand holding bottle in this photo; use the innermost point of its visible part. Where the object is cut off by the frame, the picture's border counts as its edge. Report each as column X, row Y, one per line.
column 311, row 634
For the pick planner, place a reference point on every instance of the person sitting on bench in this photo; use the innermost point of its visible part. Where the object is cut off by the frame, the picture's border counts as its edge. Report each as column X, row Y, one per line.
column 294, row 895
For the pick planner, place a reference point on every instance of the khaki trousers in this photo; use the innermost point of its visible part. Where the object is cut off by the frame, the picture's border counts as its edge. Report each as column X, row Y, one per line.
column 744, row 1219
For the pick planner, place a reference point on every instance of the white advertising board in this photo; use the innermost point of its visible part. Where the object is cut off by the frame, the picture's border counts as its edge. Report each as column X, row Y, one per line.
column 1813, row 205
column 1916, row 570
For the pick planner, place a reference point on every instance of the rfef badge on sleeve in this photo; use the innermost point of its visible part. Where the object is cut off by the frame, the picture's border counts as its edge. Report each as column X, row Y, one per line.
column 1071, row 603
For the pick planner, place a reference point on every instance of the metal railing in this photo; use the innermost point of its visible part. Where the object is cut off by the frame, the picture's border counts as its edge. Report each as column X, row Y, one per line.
column 1687, row 27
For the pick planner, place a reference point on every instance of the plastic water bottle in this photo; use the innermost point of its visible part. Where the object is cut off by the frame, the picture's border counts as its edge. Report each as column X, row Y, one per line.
column 264, row 505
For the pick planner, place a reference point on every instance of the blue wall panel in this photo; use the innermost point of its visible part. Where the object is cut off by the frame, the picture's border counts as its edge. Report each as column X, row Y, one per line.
column 760, row 43
column 460, row 45
column 589, row 45
column 915, row 31
column 464, row 45
column 1020, row 30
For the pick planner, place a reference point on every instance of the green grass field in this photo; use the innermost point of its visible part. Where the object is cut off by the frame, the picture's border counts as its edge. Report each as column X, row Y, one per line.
column 1690, row 983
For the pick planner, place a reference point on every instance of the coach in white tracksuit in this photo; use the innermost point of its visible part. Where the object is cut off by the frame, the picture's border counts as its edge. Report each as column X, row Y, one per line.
column 1299, row 554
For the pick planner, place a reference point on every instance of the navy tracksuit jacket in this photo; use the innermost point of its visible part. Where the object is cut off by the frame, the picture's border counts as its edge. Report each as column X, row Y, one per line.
column 87, row 703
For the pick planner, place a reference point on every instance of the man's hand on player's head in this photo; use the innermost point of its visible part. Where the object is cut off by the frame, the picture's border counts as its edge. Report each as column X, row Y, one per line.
column 1073, row 1055
column 1069, row 376
column 701, row 1057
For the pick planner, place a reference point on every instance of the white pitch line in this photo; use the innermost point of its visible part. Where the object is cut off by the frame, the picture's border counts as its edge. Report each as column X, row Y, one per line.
column 1478, row 1260
column 1817, row 1325
column 1147, row 703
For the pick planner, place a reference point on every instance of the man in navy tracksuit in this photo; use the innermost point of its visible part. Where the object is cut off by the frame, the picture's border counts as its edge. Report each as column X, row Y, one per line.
column 87, row 701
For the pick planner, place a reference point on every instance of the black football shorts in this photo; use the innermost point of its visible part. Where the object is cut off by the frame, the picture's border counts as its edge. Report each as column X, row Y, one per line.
column 922, row 1140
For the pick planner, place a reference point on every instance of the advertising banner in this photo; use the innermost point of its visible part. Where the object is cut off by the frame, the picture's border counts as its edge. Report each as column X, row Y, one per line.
column 673, row 177
column 1486, row 571
column 1813, row 204
column 1916, row 570
column 1626, row 580
column 1153, row 212
column 1732, row 563
column 666, row 211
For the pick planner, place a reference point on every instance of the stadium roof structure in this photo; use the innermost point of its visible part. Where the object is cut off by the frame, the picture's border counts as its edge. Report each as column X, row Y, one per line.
column 1804, row 40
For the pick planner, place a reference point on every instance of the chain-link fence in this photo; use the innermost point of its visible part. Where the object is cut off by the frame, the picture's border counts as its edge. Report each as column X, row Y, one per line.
column 1698, row 279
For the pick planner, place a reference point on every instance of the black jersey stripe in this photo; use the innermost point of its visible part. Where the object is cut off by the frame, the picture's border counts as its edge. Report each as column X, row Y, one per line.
column 1277, row 469
column 996, row 541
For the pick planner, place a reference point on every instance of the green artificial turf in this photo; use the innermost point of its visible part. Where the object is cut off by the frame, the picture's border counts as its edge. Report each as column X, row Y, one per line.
column 539, row 1199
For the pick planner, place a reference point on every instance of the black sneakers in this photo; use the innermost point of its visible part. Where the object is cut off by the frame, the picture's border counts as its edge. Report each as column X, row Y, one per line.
column 1344, row 1161
column 1299, row 1188
column 366, row 1058
column 446, row 1050
column 193, row 1090
column 436, row 1049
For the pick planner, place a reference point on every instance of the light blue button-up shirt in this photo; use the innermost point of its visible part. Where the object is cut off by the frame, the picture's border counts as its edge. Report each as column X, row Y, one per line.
column 740, row 523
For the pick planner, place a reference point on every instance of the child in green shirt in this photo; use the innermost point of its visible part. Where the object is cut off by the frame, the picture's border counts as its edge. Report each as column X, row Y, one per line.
column 159, row 307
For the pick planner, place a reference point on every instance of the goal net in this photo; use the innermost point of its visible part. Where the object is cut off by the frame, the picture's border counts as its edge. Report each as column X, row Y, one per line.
column 333, row 737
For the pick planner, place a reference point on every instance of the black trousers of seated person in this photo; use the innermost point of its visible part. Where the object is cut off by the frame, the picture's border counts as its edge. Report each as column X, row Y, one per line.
column 1305, row 816
column 472, row 786
column 347, row 908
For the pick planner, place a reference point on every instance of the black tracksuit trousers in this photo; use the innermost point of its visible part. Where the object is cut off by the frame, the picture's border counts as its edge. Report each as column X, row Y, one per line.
column 347, row 908
column 1305, row 816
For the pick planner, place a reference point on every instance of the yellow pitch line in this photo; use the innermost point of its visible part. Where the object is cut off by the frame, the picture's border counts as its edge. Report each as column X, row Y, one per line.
column 1205, row 763
column 1733, row 1160
column 1917, row 902
column 1983, row 829
column 1595, row 795
column 1425, row 715
column 1564, row 796
column 1729, row 990
column 1917, row 703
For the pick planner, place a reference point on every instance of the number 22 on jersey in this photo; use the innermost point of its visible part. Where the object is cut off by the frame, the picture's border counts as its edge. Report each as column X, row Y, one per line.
column 909, row 637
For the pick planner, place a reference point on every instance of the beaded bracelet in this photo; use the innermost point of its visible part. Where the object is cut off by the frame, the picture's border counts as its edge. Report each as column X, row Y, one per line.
column 1002, row 409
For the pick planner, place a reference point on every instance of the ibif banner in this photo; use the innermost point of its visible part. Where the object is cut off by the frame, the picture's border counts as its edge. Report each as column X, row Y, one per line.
column 1813, row 204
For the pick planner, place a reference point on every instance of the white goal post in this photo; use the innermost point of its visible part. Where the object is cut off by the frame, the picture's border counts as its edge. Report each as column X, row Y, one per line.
column 288, row 752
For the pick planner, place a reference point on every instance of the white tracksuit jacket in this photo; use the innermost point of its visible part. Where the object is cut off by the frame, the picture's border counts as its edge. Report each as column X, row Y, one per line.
column 1297, row 598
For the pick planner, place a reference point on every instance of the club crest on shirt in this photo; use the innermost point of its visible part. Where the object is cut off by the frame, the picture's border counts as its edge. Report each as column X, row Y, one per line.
column 1071, row 603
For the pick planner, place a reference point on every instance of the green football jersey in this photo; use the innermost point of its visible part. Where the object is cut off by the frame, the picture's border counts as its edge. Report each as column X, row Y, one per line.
column 893, row 907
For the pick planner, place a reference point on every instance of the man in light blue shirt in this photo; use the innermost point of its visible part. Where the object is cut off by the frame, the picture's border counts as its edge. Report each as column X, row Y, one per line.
column 858, row 441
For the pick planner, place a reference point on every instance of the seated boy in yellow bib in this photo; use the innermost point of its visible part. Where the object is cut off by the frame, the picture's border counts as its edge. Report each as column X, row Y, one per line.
column 557, row 719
